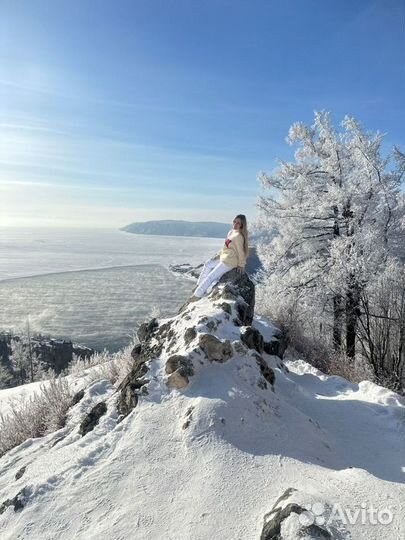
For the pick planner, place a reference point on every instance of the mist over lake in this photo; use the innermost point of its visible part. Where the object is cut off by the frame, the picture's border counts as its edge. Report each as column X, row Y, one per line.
column 92, row 286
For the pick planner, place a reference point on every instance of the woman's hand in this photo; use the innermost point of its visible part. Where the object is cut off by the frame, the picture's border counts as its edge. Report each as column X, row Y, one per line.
column 240, row 269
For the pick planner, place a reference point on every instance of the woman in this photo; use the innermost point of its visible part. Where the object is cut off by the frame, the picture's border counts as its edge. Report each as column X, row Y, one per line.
column 232, row 255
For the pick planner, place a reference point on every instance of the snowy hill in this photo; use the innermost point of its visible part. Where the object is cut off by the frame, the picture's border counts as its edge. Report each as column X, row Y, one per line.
column 211, row 437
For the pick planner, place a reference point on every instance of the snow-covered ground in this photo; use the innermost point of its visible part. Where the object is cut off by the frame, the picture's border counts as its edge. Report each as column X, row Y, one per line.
column 209, row 461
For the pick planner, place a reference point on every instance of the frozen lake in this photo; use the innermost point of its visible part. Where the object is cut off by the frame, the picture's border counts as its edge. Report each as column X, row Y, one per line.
column 92, row 286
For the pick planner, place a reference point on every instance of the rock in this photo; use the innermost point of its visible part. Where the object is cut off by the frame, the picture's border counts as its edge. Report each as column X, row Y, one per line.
column 226, row 307
column 18, row 502
column 178, row 379
column 240, row 285
column 253, row 339
column 91, row 419
column 278, row 345
column 265, row 370
column 136, row 351
column 77, row 397
column 212, row 325
column 147, row 329
column 243, row 314
column 128, row 400
column 54, row 353
column 178, row 361
column 282, row 510
column 227, row 292
column 135, row 382
column 187, row 269
column 189, row 335
column 20, row 472
column 238, row 347
column 189, row 417
column 132, row 383
column 215, row 349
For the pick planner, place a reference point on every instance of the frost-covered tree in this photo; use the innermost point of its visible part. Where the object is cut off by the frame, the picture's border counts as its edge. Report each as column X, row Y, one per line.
column 339, row 212
column 19, row 359
column 381, row 332
column 6, row 376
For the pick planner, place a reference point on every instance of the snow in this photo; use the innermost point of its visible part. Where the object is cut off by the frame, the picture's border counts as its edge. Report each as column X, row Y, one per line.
column 149, row 477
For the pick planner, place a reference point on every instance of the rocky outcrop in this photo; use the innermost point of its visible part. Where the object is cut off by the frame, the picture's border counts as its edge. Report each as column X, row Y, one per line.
column 18, row 502
column 153, row 339
column 295, row 506
column 186, row 346
column 215, row 349
column 253, row 265
column 266, row 371
column 179, row 368
column 253, row 339
column 54, row 353
column 130, row 387
column 91, row 419
column 238, row 288
column 278, row 345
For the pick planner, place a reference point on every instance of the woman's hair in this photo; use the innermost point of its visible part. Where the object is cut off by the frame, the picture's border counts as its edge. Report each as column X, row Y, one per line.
column 244, row 232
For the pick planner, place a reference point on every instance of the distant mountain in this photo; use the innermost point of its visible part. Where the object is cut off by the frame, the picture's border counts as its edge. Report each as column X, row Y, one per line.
column 170, row 227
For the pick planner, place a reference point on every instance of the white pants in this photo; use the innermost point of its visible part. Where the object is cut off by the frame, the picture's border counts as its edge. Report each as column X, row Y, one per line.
column 211, row 274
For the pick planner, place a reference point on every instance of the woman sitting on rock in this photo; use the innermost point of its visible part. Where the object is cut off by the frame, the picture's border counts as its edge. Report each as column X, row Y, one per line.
column 232, row 255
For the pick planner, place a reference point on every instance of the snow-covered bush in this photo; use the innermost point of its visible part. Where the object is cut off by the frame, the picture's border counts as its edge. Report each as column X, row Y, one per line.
column 103, row 365
column 36, row 415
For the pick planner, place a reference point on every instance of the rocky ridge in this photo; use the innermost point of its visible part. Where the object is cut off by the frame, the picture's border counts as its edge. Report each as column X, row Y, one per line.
column 213, row 435
column 185, row 350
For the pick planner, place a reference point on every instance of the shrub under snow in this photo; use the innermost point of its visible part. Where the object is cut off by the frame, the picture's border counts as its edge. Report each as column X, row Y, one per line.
column 36, row 415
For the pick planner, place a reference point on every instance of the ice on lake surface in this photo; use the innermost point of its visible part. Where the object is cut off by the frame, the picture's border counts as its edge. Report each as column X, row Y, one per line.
column 92, row 286
column 26, row 252
column 98, row 308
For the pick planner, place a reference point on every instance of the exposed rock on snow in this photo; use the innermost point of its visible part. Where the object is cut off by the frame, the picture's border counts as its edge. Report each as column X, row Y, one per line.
column 129, row 388
column 238, row 288
column 277, row 346
column 90, row 421
column 155, row 339
column 189, row 335
column 215, row 349
column 289, row 519
column 252, row 338
column 17, row 502
column 265, row 370
column 179, row 368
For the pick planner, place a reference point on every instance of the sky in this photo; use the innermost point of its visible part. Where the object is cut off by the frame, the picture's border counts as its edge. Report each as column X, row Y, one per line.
column 129, row 110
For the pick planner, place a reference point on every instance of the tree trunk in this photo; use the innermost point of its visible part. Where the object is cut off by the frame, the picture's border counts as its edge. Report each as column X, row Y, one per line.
column 337, row 322
column 337, row 299
column 352, row 314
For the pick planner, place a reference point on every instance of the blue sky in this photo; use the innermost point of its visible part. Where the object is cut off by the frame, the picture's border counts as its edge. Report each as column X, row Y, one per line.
column 128, row 110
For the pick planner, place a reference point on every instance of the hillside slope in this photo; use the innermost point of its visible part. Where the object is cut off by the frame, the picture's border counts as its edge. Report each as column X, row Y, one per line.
column 220, row 430
column 171, row 227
